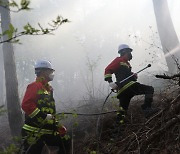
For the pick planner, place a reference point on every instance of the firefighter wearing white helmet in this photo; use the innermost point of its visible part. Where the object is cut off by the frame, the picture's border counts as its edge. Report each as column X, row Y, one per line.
column 124, row 48
column 44, row 66
column 40, row 110
column 127, row 89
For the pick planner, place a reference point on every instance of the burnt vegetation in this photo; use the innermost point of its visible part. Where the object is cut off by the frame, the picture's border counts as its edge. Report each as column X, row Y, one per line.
column 159, row 134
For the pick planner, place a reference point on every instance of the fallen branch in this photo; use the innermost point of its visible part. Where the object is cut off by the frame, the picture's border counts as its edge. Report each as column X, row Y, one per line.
column 159, row 132
column 163, row 110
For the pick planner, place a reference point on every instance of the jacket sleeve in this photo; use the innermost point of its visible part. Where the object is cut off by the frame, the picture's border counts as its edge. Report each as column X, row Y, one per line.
column 110, row 69
column 29, row 103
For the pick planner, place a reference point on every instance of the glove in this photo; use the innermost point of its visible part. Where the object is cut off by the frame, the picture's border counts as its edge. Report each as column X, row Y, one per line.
column 135, row 76
column 49, row 117
column 62, row 130
column 113, row 85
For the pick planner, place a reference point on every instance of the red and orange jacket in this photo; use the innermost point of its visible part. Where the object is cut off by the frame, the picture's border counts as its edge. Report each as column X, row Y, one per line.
column 122, row 69
column 38, row 101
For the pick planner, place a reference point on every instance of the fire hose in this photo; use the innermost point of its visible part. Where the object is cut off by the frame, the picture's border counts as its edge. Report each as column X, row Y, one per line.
column 98, row 121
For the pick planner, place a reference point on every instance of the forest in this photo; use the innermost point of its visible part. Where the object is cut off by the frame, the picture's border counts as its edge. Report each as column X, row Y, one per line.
column 80, row 39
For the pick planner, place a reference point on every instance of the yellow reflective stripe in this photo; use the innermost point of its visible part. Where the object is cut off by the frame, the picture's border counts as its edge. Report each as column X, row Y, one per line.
column 121, row 109
column 125, row 87
column 107, row 75
column 121, row 121
column 37, row 130
column 124, row 64
column 46, row 92
column 34, row 113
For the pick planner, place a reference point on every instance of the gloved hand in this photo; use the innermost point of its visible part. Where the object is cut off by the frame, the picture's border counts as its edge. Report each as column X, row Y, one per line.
column 62, row 130
column 49, row 117
column 135, row 76
column 113, row 85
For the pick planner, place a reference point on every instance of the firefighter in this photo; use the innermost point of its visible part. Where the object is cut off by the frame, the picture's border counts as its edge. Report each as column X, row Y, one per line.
column 41, row 124
column 121, row 68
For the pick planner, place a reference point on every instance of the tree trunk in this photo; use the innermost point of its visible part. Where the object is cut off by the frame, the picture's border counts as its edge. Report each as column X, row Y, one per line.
column 2, row 79
column 168, row 36
column 11, row 83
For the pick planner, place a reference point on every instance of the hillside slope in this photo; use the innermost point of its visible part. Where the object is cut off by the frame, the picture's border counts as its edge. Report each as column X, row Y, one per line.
column 160, row 134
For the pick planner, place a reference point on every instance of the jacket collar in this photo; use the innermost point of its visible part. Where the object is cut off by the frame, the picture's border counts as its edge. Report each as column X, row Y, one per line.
column 42, row 80
column 124, row 59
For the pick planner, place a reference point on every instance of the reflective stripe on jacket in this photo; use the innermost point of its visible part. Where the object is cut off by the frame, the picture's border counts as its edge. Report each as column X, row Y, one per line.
column 121, row 68
column 37, row 103
column 39, row 130
column 125, row 87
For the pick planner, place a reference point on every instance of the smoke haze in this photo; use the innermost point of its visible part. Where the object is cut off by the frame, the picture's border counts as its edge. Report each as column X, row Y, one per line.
column 81, row 49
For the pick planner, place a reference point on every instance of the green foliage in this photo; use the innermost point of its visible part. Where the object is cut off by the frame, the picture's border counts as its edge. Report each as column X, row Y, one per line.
column 14, row 6
column 66, row 137
column 12, row 33
column 25, row 4
column 28, row 29
column 74, row 115
column 75, row 124
column 61, row 116
column 11, row 149
column 17, row 139
column 31, row 140
column 41, row 91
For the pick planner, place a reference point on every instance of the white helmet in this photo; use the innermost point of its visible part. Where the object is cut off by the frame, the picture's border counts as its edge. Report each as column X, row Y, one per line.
column 123, row 46
column 43, row 64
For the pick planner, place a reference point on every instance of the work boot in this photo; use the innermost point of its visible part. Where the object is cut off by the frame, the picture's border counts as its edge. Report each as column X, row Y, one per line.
column 148, row 112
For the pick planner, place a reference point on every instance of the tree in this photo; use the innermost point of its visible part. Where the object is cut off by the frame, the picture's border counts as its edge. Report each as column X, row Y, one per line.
column 12, row 96
column 2, row 78
column 90, row 83
column 168, row 36
column 10, row 35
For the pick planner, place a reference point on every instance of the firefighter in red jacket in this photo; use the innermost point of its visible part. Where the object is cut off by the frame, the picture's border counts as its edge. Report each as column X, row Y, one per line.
column 41, row 125
column 121, row 67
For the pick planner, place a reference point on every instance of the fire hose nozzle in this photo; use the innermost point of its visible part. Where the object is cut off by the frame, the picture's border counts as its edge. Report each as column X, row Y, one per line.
column 149, row 65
